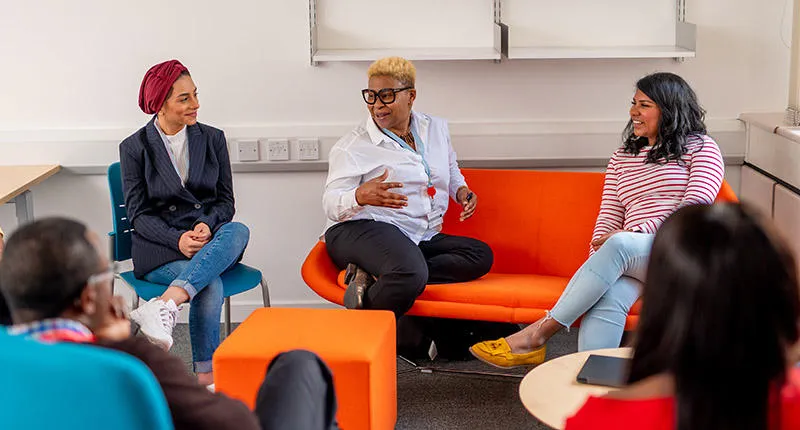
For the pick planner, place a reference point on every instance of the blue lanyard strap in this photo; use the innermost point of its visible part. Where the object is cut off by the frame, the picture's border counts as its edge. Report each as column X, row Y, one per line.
column 420, row 149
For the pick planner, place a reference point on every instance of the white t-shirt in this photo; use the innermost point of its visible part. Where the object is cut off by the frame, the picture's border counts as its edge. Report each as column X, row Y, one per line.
column 177, row 149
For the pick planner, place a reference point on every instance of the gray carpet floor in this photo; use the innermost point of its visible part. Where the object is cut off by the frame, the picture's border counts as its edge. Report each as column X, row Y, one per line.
column 440, row 400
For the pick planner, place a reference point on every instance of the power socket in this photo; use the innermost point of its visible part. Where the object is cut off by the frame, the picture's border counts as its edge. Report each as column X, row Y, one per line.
column 278, row 149
column 308, row 148
column 247, row 150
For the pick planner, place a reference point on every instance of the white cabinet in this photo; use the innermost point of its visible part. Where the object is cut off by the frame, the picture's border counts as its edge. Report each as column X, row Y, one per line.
column 775, row 201
column 786, row 216
column 757, row 190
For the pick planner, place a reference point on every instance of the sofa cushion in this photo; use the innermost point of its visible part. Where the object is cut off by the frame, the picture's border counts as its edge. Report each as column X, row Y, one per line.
column 499, row 289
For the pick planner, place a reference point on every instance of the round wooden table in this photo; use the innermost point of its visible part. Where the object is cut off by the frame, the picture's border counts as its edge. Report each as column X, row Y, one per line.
column 550, row 391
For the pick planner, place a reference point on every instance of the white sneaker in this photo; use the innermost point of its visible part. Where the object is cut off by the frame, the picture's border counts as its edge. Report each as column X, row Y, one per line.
column 156, row 319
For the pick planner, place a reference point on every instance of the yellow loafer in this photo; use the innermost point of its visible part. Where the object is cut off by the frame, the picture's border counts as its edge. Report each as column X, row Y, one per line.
column 498, row 354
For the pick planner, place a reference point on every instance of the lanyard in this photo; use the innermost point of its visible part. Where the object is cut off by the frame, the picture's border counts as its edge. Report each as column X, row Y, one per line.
column 420, row 150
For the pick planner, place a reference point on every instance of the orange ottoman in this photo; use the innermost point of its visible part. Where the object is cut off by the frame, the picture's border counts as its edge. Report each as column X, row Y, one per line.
column 358, row 346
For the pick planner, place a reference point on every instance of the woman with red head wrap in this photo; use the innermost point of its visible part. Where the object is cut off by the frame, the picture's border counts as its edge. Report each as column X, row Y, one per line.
column 178, row 187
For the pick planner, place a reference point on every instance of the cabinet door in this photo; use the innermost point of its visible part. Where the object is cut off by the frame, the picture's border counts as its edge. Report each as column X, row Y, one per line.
column 757, row 190
column 786, row 216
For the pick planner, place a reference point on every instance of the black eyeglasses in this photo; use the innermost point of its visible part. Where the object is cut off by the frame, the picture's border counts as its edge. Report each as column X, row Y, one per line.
column 387, row 95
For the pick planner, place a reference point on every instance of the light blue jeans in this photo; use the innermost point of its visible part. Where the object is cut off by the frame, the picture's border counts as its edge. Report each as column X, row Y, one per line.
column 604, row 289
column 200, row 277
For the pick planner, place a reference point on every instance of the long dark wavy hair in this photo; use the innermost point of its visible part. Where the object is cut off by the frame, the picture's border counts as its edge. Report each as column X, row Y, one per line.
column 681, row 117
column 721, row 310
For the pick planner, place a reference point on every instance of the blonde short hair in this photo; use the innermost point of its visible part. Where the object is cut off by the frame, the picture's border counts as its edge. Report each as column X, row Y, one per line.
column 396, row 67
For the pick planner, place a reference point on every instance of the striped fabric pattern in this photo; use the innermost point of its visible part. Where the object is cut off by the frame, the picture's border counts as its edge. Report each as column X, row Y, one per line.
column 54, row 330
column 639, row 196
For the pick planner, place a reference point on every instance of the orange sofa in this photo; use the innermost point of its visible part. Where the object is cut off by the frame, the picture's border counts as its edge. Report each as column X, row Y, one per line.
column 538, row 223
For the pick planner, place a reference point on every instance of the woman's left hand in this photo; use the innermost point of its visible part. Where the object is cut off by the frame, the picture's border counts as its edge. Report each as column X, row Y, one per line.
column 468, row 200
column 202, row 232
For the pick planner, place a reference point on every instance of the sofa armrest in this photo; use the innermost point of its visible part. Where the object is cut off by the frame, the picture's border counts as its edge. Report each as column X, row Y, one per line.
column 321, row 274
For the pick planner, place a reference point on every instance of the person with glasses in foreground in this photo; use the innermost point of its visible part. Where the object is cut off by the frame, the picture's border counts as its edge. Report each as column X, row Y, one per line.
column 58, row 286
column 389, row 183
column 718, row 332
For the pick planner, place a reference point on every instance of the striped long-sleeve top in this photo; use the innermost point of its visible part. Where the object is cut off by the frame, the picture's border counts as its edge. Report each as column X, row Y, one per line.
column 639, row 196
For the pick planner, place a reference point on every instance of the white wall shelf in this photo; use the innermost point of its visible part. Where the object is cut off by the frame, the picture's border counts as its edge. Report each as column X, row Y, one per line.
column 368, row 30
column 542, row 29
column 414, row 54
column 567, row 52
column 545, row 30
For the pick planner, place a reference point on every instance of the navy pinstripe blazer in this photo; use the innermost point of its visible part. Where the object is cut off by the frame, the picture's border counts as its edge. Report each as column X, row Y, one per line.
column 159, row 207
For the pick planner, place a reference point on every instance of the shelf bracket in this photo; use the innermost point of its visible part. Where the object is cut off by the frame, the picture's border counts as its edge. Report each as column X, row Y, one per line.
column 500, row 31
column 685, row 32
column 312, row 31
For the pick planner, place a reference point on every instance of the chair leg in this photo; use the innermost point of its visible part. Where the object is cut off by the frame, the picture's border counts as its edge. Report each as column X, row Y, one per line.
column 265, row 292
column 227, row 312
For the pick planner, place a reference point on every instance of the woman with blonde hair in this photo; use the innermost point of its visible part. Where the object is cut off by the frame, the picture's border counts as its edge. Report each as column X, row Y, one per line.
column 389, row 183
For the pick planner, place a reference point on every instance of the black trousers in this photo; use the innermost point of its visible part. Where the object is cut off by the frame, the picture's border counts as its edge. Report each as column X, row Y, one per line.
column 297, row 393
column 402, row 268
column 5, row 312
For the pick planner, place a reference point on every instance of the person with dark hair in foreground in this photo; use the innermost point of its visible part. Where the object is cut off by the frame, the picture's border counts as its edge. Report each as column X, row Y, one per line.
column 58, row 288
column 716, row 333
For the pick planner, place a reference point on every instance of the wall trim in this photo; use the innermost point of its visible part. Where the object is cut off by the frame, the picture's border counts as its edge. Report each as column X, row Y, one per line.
column 471, row 163
column 337, row 129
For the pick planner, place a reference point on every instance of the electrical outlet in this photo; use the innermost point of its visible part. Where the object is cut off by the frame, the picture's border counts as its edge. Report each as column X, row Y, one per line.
column 278, row 149
column 248, row 150
column 308, row 148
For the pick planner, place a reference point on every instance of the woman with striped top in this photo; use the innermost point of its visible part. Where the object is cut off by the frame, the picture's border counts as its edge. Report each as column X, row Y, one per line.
column 666, row 162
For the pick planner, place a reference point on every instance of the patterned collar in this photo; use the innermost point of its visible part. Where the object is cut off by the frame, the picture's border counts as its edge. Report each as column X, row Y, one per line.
column 54, row 330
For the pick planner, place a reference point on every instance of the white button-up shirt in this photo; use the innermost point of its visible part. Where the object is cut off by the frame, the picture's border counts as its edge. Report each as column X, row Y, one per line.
column 366, row 152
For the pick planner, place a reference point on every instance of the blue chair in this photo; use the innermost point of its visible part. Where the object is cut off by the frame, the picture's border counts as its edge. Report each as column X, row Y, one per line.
column 239, row 279
column 73, row 386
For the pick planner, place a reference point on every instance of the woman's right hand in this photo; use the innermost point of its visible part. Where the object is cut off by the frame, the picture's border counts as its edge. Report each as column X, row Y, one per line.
column 597, row 243
column 375, row 193
column 188, row 245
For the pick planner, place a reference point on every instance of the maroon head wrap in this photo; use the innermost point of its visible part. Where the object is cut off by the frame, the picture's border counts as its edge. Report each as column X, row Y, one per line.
column 156, row 84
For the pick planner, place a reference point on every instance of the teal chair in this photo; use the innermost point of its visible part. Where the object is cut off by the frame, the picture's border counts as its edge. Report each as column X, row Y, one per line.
column 72, row 386
column 239, row 279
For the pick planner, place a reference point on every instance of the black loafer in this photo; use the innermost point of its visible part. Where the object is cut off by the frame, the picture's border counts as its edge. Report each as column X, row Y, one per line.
column 357, row 282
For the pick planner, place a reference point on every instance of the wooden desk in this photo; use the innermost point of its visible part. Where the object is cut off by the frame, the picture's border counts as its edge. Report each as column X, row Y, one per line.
column 550, row 391
column 15, row 182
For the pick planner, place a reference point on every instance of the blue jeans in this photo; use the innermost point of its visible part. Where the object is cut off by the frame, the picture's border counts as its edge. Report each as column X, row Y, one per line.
column 200, row 277
column 604, row 289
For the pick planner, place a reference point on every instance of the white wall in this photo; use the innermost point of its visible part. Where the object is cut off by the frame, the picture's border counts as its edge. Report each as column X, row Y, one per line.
column 71, row 72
